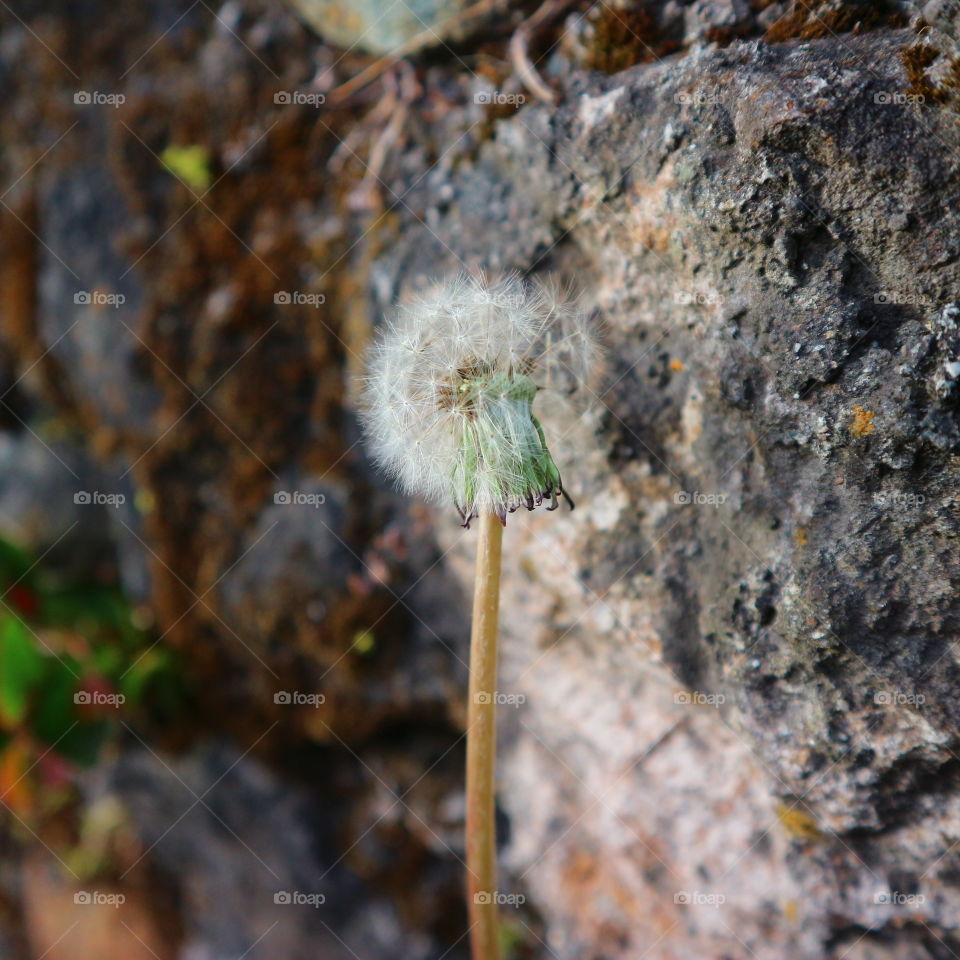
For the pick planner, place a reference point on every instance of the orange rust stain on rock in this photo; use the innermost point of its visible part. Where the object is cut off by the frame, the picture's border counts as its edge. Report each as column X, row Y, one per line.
column 862, row 424
column 798, row 823
column 591, row 881
column 651, row 225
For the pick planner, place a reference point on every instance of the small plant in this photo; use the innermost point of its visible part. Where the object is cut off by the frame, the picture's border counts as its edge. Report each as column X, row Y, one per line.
column 73, row 660
column 449, row 412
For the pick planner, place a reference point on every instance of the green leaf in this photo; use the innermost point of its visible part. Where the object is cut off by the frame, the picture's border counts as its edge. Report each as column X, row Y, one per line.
column 82, row 744
column 141, row 671
column 22, row 666
column 86, row 608
column 55, row 712
column 14, row 563
column 190, row 164
column 364, row 642
column 106, row 661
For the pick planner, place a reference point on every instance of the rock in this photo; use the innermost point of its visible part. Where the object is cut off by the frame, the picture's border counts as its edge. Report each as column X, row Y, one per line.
column 747, row 594
column 258, row 863
column 244, row 844
column 368, row 25
column 101, row 920
column 39, row 492
column 88, row 297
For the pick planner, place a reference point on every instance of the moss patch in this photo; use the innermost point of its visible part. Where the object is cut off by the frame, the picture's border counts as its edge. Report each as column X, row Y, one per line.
column 815, row 19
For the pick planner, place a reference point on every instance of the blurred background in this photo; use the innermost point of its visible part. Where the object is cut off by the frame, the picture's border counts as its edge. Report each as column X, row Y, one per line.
column 232, row 660
column 231, row 700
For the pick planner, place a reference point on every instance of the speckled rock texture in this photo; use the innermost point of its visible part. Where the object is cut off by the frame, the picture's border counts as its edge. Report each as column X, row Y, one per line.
column 382, row 28
column 730, row 720
column 738, row 656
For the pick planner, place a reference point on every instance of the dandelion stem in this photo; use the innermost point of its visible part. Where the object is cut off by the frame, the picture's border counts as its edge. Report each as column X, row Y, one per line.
column 481, row 839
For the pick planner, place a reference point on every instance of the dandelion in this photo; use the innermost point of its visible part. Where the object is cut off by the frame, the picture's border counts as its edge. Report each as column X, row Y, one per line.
column 449, row 401
column 449, row 412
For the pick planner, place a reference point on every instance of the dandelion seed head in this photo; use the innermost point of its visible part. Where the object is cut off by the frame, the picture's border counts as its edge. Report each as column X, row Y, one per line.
column 448, row 404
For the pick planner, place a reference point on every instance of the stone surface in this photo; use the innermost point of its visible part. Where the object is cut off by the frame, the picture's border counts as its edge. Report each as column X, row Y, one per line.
column 738, row 655
column 383, row 28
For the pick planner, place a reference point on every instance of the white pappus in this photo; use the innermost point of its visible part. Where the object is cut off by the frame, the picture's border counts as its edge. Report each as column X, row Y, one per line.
column 448, row 401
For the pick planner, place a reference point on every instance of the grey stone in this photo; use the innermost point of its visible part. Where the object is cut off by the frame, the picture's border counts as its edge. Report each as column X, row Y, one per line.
column 377, row 27
column 752, row 701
